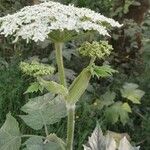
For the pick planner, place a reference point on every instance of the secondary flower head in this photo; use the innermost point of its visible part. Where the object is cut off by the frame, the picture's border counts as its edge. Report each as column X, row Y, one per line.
column 54, row 20
column 95, row 49
column 36, row 69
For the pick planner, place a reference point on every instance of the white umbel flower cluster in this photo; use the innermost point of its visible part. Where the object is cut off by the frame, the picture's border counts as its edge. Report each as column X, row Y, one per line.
column 39, row 21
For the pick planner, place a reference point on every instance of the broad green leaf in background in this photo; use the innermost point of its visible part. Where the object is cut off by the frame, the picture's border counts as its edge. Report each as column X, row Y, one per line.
column 132, row 93
column 34, row 87
column 118, row 111
column 10, row 135
column 102, row 71
column 36, row 143
column 106, row 99
column 53, row 87
column 44, row 110
column 126, row 107
column 125, row 145
column 98, row 141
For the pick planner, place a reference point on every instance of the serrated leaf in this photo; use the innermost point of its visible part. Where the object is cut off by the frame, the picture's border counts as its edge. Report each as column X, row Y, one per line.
column 34, row 87
column 118, row 136
column 116, row 112
column 10, row 134
column 98, row 141
column 43, row 110
column 108, row 98
column 36, row 143
column 127, row 107
column 132, row 93
column 125, row 145
column 54, row 87
column 110, row 143
column 55, row 139
column 102, row 71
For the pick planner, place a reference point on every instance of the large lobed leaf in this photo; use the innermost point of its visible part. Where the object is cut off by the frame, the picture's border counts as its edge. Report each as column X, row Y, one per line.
column 43, row 110
column 10, row 135
column 125, row 145
column 36, row 143
column 132, row 93
column 118, row 111
column 100, row 142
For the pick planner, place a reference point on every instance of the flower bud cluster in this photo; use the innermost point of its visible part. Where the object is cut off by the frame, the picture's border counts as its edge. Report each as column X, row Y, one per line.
column 95, row 49
column 36, row 69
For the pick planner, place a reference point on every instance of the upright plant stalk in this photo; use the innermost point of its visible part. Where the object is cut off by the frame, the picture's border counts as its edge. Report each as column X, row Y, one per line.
column 70, row 108
column 60, row 65
column 70, row 126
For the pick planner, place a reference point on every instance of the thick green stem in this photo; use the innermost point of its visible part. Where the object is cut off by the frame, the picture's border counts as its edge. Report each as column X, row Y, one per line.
column 70, row 126
column 60, row 65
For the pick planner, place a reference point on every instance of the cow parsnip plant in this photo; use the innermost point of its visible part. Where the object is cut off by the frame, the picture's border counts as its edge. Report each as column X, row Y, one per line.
column 58, row 23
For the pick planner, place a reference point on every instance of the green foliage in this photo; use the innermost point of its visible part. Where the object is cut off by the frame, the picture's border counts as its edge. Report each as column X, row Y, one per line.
column 105, row 100
column 36, row 143
column 118, row 111
column 132, row 93
column 34, row 87
column 53, row 87
column 43, row 110
column 10, row 135
column 102, row 71
column 114, row 107
column 12, row 87
column 124, row 9
column 98, row 5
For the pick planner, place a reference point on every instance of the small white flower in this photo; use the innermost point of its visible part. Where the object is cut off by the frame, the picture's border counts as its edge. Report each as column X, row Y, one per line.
column 38, row 21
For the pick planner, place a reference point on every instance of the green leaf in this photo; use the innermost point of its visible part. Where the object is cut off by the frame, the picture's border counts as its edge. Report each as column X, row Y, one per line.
column 117, row 111
column 54, row 87
column 125, row 145
column 10, row 134
column 126, row 107
column 60, row 142
column 36, row 143
column 106, row 99
column 98, row 141
column 44, row 110
column 102, row 71
column 132, row 93
column 34, row 87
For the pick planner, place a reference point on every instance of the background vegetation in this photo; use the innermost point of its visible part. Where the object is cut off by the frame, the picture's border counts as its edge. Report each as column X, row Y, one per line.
column 131, row 57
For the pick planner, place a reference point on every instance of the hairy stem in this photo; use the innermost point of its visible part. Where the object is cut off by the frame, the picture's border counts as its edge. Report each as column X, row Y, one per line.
column 60, row 65
column 70, row 126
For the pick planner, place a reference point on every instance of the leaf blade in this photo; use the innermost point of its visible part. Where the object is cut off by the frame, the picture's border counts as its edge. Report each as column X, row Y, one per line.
column 10, row 135
column 43, row 110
